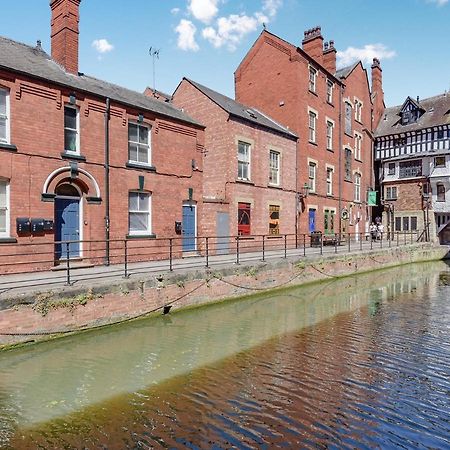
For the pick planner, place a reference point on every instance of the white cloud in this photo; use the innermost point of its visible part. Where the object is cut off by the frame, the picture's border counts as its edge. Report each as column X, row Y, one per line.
column 271, row 7
column 186, row 35
column 102, row 46
column 365, row 54
column 438, row 2
column 203, row 10
column 230, row 30
column 175, row 11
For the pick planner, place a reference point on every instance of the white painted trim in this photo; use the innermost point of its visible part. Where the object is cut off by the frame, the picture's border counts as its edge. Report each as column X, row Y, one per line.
column 67, row 169
column 150, row 128
column 7, row 232
column 8, row 116
column 150, row 223
column 77, row 144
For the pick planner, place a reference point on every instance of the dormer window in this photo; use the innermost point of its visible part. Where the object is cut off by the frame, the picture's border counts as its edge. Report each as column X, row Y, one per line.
column 410, row 112
column 408, row 117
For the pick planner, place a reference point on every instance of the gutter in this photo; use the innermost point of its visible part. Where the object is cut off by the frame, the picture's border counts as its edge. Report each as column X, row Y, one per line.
column 340, row 158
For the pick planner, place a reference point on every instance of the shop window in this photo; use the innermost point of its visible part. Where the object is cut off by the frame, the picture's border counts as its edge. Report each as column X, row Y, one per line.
column 274, row 219
column 244, row 219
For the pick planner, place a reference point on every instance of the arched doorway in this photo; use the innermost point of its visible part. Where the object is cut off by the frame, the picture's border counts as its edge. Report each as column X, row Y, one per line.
column 67, row 221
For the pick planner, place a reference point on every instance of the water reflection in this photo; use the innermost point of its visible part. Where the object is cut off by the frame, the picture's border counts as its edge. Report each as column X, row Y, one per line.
column 341, row 363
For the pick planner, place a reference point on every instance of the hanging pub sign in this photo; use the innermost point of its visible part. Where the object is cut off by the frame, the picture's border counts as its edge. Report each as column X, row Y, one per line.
column 372, row 198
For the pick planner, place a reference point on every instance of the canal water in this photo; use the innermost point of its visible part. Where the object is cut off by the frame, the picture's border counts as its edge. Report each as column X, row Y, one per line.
column 360, row 362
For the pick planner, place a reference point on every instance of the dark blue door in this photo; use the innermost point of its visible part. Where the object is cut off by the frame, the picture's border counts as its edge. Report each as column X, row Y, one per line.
column 312, row 220
column 188, row 228
column 67, row 223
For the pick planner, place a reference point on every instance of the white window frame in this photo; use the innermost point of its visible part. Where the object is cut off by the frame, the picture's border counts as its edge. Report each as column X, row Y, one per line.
column 329, row 135
column 358, row 109
column 6, row 208
column 357, row 178
column 274, row 170
column 312, row 126
column 247, row 162
column 77, row 130
column 312, row 80
column 330, row 171
column 149, row 215
column 330, row 88
column 390, row 193
column 348, row 125
column 7, row 139
column 358, row 145
column 312, row 173
column 149, row 145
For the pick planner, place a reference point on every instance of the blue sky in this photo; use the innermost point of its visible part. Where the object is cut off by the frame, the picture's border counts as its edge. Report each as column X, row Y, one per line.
column 206, row 39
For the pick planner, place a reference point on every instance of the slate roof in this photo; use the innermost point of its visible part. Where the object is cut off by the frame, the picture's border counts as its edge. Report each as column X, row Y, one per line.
column 35, row 62
column 241, row 111
column 437, row 112
column 345, row 71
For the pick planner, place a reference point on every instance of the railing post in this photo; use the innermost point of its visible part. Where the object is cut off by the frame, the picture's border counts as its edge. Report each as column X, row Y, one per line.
column 207, row 252
column 68, row 263
column 381, row 240
column 171, row 254
column 398, row 238
column 404, row 236
column 389, row 239
column 237, row 250
column 411, row 237
column 335, row 242
column 349, row 243
column 263, row 248
column 321, row 243
column 285, row 245
column 304, row 244
column 360, row 241
column 371, row 241
column 125, row 258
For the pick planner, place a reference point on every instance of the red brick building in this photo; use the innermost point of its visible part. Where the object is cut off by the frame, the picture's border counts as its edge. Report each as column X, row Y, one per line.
column 83, row 159
column 249, row 182
column 332, row 111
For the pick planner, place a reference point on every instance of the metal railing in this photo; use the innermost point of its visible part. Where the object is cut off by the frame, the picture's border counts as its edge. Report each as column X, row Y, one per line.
column 67, row 262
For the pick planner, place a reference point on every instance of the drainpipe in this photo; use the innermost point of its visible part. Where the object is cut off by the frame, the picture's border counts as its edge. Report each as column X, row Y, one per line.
column 297, row 210
column 340, row 160
column 107, row 222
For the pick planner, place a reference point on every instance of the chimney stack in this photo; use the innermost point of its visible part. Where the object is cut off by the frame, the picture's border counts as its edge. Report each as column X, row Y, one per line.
column 64, row 33
column 313, row 44
column 377, row 92
column 329, row 57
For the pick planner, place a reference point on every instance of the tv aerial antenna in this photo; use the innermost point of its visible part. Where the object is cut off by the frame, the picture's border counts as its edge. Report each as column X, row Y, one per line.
column 154, row 53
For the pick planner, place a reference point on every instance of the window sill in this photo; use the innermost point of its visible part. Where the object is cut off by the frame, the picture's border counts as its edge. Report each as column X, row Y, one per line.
column 276, row 236
column 246, row 238
column 245, row 182
column 140, row 236
column 358, row 121
column 8, row 240
column 391, row 199
column 274, row 186
column 349, row 134
column 75, row 156
column 8, row 147
column 348, row 181
column 329, row 103
column 313, row 143
column 133, row 165
column 330, row 150
column 313, row 92
column 358, row 160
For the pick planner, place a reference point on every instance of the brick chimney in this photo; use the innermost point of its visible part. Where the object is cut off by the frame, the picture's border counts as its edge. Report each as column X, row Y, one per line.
column 329, row 57
column 377, row 92
column 313, row 44
column 64, row 33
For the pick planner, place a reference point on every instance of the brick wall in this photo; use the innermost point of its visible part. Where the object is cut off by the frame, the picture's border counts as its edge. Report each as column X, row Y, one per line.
column 274, row 77
column 37, row 130
column 222, row 191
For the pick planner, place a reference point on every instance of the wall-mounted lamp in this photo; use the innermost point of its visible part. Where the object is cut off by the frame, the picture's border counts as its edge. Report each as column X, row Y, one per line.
column 72, row 98
column 140, row 118
column 305, row 191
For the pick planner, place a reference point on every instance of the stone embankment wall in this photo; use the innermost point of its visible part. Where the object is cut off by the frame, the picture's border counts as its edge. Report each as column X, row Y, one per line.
column 44, row 315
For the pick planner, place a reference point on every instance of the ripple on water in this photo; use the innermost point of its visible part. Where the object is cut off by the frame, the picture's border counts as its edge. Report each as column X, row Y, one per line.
column 373, row 373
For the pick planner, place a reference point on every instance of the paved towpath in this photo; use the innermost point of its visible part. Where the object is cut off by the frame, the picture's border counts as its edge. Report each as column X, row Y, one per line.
column 18, row 285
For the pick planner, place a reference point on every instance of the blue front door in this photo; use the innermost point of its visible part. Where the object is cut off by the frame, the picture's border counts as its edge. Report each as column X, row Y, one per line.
column 312, row 220
column 188, row 228
column 67, row 227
